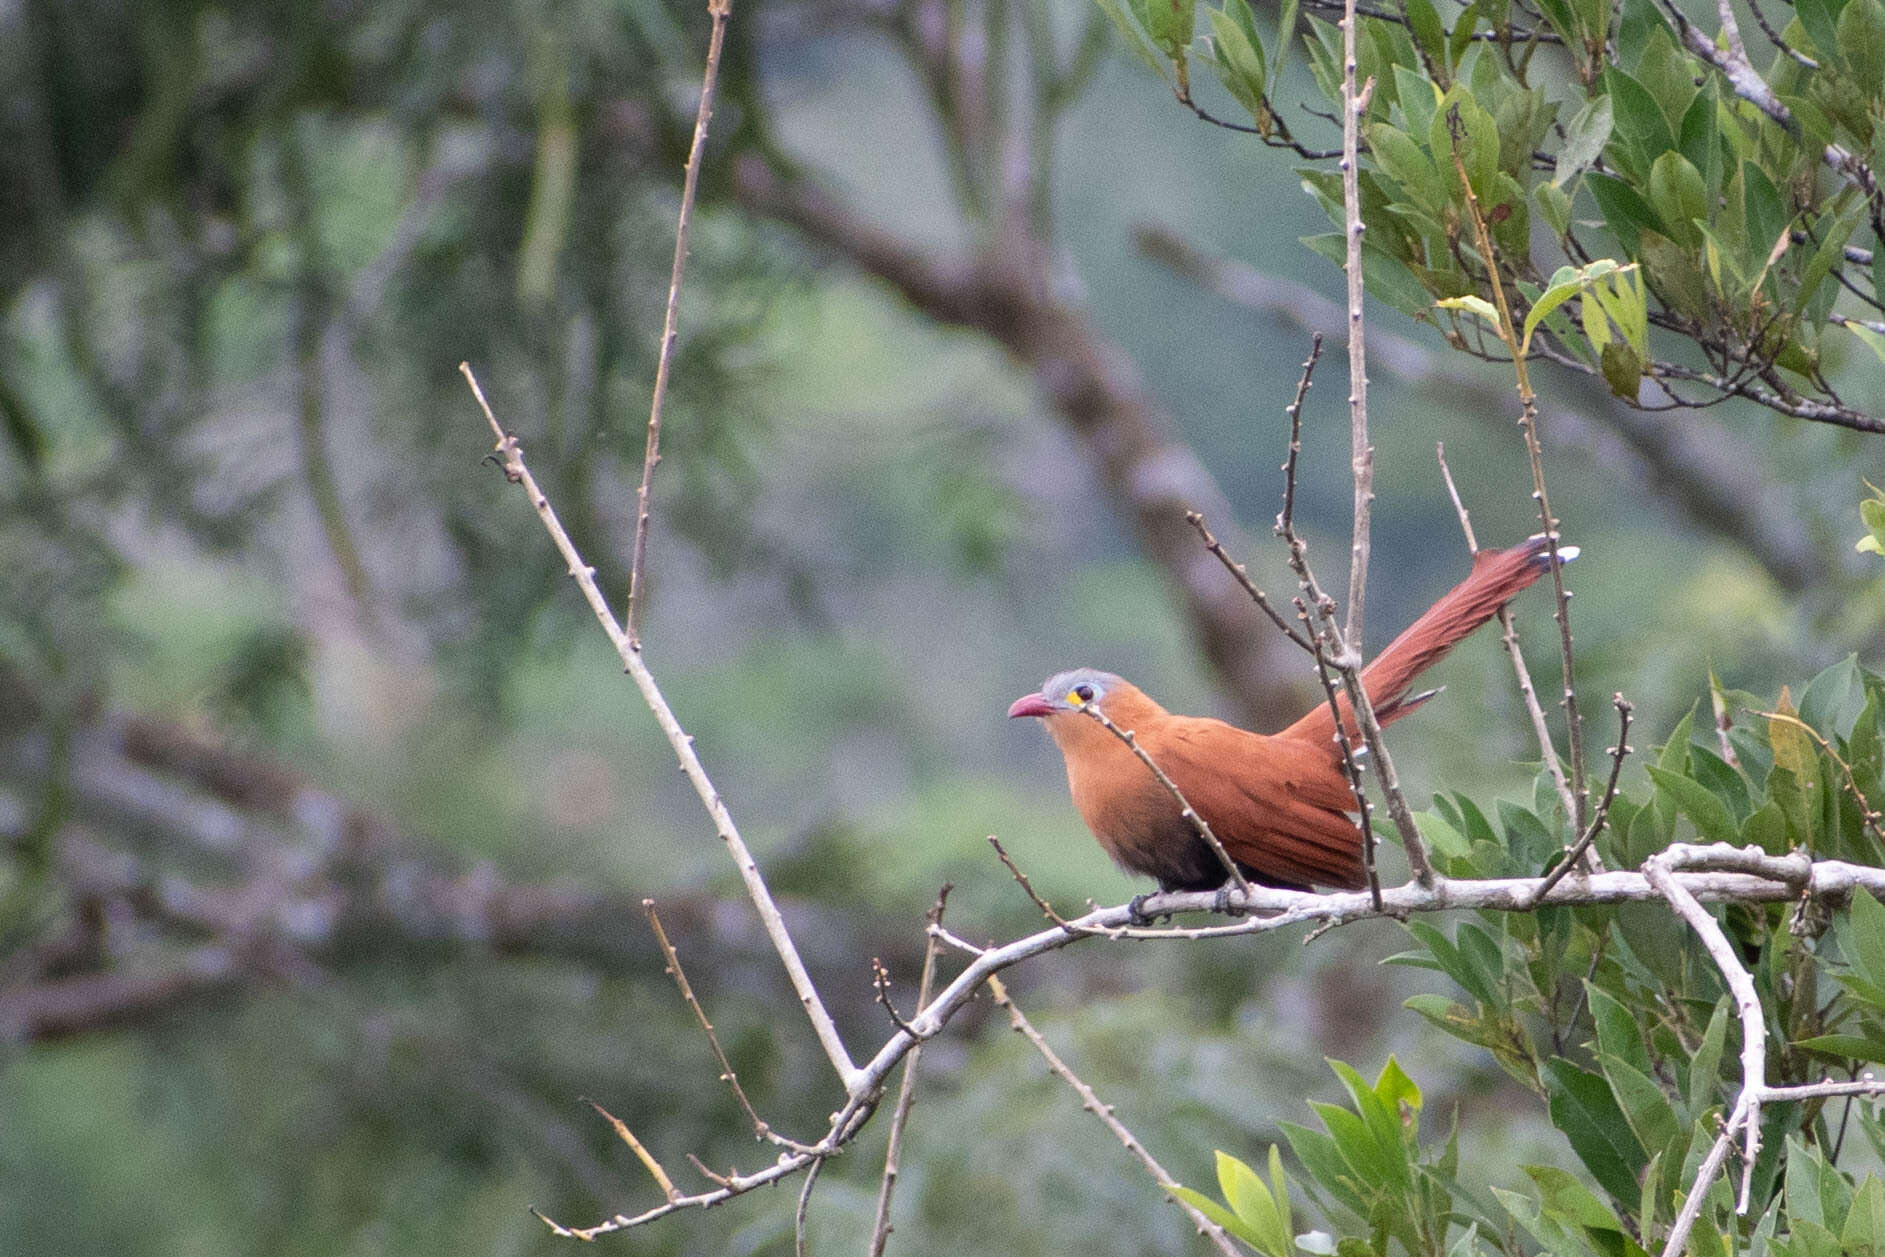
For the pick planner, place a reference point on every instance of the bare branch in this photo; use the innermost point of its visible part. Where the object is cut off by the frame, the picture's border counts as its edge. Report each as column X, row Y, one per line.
column 1361, row 452
column 760, row 1129
column 512, row 456
column 1091, row 1103
column 1528, row 423
column 647, row 1159
column 1508, row 634
column 1027, row 887
column 906, row 1090
column 1574, row 857
column 718, row 10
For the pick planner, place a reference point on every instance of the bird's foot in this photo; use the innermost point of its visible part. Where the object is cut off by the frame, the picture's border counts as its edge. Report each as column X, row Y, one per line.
column 1136, row 914
column 1224, row 907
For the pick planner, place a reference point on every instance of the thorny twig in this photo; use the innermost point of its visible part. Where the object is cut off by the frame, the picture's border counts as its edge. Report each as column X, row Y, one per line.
column 906, row 1090
column 1508, row 633
column 760, row 1129
column 718, row 10
column 1027, row 887
column 1528, row 424
column 1574, row 857
column 1092, row 1104
column 511, row 455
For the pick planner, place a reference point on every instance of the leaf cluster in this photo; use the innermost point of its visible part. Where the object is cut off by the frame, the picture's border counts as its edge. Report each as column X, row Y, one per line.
column 1748, row 210
column 1620, row 1026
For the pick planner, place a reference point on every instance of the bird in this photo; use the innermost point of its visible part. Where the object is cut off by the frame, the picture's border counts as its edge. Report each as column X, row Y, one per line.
column 1280, row 804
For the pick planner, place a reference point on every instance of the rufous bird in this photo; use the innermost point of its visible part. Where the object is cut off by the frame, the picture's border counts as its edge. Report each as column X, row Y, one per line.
column 1279, row 803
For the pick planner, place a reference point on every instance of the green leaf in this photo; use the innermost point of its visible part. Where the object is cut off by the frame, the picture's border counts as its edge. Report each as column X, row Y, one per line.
column 1644, row 1105
column 1461, row 36
column 1569, row 1200
column 1863, row 940
column 1583, row 1107
column 1709, row 813
column 1170, row 23
column 1395, row 1088
column 1676, row 188
column 1857, row 1047
column 1321, row 1156
column 1285, row 40
column 1555, row 204
column 1240, row 58
column 1626, row 214
column 1402, row 160
column 1622, row 369
column 1251, row 1201
column 1386, row 277
column 1129, row 32
column 1704, row 1068
column 1833, row 699
column 1279, row 1193
column 1864, row 1232
column 1214, row 1211
column 1820, row 18
column 1766, row 828
column 1617, row 1031
column 1567, row 283
column 1871, row 339
column 1641, row 130
column 1584, row 139
column 1765, row 213
column 1860, row 36
column 1424, row 22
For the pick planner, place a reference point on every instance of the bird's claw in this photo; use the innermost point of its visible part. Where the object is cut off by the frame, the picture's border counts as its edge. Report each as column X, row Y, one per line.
column 1223, row 906
column 1136, row 914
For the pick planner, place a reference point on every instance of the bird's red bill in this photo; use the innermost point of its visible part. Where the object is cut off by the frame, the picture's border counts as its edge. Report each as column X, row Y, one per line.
column 1030, row 705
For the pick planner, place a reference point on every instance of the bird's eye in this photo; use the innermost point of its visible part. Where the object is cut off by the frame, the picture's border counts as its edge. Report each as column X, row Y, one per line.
column 1082, row 694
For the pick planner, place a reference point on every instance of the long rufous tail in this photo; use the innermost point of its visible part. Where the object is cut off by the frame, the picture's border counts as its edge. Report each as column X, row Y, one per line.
column 1497, row 576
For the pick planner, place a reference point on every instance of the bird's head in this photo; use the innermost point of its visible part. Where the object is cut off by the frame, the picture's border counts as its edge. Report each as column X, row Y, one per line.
column 1068, row 692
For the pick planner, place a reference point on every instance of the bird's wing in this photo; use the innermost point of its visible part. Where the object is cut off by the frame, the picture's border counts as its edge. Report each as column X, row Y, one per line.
column 1279, row 805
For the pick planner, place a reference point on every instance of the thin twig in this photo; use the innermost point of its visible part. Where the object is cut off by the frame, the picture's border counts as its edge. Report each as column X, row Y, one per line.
column 1027, row 887
column 1574, row 857
column 1091, row 1103
column 1185, row 809
column 1528, row 424
column 511, row 455
column 1333, row 650
column 1286, row 518
column 1508, row 633
column 1242, row 577
column 1351, row 763
column 880, row 982
column 1851, row 782
column 646, row 1157
column 718, row 10
column 799, row 1247
column 760, row 1129
column 906, row 1091
column 700, row 1167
